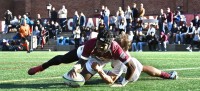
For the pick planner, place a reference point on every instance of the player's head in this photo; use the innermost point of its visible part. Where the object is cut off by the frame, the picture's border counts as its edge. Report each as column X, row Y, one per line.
column 104, row 39
column 123, row 41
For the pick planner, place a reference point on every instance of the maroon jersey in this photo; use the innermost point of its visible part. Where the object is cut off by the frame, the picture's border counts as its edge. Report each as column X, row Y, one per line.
column 114, row 51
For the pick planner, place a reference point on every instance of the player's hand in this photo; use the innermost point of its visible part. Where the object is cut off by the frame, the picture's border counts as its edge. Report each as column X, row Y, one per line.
column 75, row 70
column 124, row 82
column 72, row 73
column 95, row 66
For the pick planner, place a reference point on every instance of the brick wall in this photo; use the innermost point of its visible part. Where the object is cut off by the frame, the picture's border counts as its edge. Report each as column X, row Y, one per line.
column 88, row 6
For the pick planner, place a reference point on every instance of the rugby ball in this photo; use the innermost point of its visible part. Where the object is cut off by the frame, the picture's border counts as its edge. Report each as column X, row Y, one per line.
column 74, row 82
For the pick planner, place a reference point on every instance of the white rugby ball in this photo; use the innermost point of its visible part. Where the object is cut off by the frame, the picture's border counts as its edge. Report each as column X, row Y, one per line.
column 74, row 82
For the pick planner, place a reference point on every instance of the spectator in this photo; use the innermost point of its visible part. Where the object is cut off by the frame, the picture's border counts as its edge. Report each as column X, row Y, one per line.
column 161, row 20
column 180, row 36
column 82, row 22
column 130, row 38
column 5, row 45
column 20, row 20
column 134, row 15
column 8, row 17
column 102, row 13
column 62, row 15
column 196, row 21
column 134, row 41
column 62, row 12
column 139, row 26
column 163, row 42
column 169, row 20
column 39, row 19
column 128, row 17
column 152, row 41
column 112, row 23
column 77, row 36
column 57, row 30
column 38, row 24
column 54, row 15
column 36, row 32
column 189, row 33
column 195, row 41
column 141, row 11
column 28, row 20
column 43, row 37
column 151, row 30
column 106, row 17
column 141, row 41
column 101, row 26
column 178, row 18
column 120, row 16
column 76, row 21
column 122, row 26
column 52, row 28
column 175, row 31
column 14, row 23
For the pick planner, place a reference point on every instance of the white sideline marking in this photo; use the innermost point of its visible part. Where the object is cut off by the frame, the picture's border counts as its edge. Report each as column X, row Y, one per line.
column 183, row 69
column 23, row 80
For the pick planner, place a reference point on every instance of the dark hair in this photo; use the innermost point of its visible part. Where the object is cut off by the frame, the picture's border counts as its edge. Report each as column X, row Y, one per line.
column 105, row 36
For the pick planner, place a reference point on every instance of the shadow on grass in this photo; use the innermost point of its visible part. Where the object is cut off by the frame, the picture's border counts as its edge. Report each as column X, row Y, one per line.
column 35, row 86
column 91, row 83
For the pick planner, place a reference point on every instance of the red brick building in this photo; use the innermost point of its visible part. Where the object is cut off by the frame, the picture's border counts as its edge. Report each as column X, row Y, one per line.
column 89, row 6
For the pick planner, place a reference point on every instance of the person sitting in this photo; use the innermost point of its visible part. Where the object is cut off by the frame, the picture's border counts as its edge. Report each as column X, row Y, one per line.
column 152, row 41
column 195, row 41
column 141, row 39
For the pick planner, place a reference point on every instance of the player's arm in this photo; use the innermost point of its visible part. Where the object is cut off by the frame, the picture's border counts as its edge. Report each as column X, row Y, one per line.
column 77, row 67
column 107, row 78
column 130, row 70
column 125, row 58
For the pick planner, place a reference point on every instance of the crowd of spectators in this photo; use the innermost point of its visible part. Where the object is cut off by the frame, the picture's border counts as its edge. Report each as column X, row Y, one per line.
column 172, row 28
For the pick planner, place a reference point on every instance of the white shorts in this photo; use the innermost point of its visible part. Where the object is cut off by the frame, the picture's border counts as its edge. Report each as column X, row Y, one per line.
column 89, row 64
column 120, row 68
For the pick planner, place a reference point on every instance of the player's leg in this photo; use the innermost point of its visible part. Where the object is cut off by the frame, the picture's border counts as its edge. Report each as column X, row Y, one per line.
column 69, row 57
column 152, row 71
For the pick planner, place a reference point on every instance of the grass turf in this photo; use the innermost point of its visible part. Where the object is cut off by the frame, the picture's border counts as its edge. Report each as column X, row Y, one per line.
column 14, row 66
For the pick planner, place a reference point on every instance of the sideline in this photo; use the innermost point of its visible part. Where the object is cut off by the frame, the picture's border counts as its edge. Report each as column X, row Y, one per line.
column 35, row 79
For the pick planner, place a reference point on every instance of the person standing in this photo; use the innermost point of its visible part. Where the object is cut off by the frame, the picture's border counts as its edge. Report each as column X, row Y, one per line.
column 169, row 20
column 161, row 20
column 8, row 17
column 75, row 20
column 62, row 15
column 77, row 36
column 141, row 11
column 82, row 22
column 134, row 16
column 54, row 15
column 106, row 17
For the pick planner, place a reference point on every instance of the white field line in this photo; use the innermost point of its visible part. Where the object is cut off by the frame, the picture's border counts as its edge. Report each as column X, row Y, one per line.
column 36, row 79
column 183, row 69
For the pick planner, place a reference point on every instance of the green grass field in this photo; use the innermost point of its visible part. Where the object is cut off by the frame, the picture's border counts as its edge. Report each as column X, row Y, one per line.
column 14, row 66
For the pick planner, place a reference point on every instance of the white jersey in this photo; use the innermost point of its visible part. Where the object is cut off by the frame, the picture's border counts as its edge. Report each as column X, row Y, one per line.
column 91, row 60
